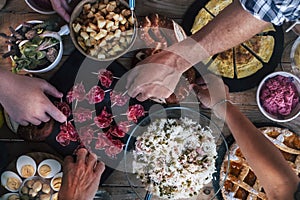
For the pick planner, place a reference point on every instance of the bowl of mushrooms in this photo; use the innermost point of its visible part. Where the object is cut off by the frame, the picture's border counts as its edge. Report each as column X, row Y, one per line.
column 103, row 30
column 35, row 188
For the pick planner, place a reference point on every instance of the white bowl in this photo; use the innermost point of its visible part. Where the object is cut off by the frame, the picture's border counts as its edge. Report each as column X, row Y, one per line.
column 59, row 55
column 9, row 174
column 7, row 195
column 25, row 160
column 59, row 175
column 54, row 165
column 295, row 112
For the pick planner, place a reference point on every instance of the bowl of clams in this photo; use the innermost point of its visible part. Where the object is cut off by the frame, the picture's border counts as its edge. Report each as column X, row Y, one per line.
column 103, row 30
column 33, row 179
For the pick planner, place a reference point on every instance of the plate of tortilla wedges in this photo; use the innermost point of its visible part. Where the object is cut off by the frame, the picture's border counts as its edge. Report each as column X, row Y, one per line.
column 244, row 66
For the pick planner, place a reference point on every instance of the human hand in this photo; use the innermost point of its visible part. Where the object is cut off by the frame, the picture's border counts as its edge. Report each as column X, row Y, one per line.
column 81, row 178
column 24, row 99
column 211, row 90
column 155, row 77
column 62, row 8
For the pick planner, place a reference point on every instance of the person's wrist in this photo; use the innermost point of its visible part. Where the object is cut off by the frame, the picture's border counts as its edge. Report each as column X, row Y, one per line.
column 220, row 108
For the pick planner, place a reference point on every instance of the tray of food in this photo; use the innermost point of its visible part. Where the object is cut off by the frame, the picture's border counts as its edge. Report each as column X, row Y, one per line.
column 241, row 182
column 31, row 176
column 243, row 66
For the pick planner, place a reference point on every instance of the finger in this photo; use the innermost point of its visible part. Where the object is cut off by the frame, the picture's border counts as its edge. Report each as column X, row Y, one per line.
column 58, row 7
column 65, row 5
column 133, row 92
column 68, row 161
column 91, row 160
column 51, row 90
column 142, row 97
column 23, row 123
column 55, row 113
column 44, row 118
column 130, row 78
column 35, row 121
column 81, row 156
column 99, row 169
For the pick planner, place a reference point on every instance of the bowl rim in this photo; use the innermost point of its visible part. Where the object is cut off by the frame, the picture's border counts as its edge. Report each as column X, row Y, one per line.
column 296, row 44
column 54, row 63
column 262, row 110
column 221, row 182
column 13, row 174
column 38, row 10
column 75, row 14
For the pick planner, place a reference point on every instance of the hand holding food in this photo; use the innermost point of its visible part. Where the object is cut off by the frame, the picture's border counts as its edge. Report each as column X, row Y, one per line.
column 81, row 177
column 34, row 107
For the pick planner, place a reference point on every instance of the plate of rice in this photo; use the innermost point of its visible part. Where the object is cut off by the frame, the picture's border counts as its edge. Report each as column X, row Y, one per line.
column 173, row 153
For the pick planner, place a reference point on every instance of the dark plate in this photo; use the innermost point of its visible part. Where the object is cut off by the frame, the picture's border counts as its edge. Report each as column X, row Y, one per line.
column 236, row 85
column 222, row 152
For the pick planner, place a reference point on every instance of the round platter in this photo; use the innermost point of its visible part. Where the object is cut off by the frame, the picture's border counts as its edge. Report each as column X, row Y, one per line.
column 240, row 84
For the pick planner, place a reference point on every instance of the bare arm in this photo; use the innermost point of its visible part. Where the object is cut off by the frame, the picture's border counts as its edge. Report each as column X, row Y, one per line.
column 273, row 172
column 231, row 27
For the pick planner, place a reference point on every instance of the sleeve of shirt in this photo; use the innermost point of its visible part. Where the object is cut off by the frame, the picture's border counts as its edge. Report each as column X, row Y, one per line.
column 274, row 11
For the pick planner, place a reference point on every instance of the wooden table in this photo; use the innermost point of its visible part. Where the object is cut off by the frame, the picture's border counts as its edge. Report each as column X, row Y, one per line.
column 16, row 12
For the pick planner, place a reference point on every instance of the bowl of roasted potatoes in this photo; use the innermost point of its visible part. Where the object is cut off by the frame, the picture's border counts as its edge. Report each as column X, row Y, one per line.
column 103, row 30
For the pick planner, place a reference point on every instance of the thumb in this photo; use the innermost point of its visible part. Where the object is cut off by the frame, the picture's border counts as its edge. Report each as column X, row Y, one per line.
column 51, row 90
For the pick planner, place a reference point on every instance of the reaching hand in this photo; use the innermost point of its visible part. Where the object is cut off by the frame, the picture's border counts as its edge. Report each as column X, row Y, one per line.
column 62, row 8
column 211, row 90
column 154, row 77
column 81, row 178
column 24, row 99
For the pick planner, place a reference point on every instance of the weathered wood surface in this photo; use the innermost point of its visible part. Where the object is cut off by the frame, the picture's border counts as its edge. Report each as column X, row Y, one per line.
column 117, row 186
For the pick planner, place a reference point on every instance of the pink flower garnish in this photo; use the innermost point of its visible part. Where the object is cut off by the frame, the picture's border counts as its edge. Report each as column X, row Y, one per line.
column 115, row 147
column 104, row 119
column 118, row 98
column 82, row 114
column 63, row 107
column 76, row 93
column 135, row 112
column 95, row 95
column 105, row 77
column 63, row 138
column 86, row 134
column 69, row 129
column 102, row 141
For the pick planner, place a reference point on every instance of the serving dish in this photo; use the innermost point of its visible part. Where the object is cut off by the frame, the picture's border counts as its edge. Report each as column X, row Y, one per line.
column 103, row 32
column 35, row 48
column 287, row 115
column 132, row 146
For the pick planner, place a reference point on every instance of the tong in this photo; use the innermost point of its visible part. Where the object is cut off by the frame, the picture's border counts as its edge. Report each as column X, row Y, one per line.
column 293, row 25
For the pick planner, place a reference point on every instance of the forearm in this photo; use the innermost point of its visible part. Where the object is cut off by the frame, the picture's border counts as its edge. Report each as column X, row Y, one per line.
column 231, row 27
column 265, row 159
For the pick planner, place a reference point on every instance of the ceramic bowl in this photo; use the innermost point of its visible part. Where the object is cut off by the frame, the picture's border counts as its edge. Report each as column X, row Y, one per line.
column 279, row 118
column 5, row 177
column 8, row 196
column 35, row 188
column 26, row 166
column 56, row 181
column 45, row 34
column 113, row 42
column 48, row 168
column 41, row 6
